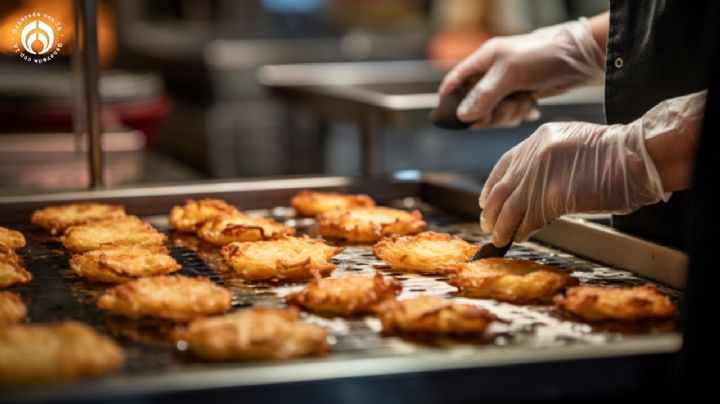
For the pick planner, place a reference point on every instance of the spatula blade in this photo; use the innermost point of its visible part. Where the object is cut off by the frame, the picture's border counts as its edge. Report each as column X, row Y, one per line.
column 489, row 250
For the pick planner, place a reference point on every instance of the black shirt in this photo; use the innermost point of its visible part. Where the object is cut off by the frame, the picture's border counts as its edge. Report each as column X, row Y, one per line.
column 656, row 50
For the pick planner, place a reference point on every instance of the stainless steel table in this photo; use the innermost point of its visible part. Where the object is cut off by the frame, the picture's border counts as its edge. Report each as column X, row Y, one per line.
column 377, row 93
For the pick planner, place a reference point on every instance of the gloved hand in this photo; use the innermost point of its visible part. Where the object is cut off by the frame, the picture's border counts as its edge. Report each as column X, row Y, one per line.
column 573, row 167
column 544, row 62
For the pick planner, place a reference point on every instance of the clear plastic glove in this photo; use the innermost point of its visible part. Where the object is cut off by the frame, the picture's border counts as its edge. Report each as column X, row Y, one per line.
column 573, row 167
column 541, row 63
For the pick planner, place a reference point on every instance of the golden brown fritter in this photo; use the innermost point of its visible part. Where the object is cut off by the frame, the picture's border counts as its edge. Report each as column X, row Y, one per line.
column 123, row 263
column 190, row 216
column 11, row 270
column 429, row 315
column 308, row 203
column 345, row 296
column 510, row 280
column 260, row 333
column 62, row 351
column 227, row 229
column 128, row 230
column 288, row 258
column 11, row 239
column 594, row 303
column 58, row 218
column 427, row 252
column 12, row 309
column 175, row 298
column 367, row 225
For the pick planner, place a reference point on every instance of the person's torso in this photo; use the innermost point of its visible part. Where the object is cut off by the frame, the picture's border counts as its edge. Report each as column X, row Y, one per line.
column 656, row 50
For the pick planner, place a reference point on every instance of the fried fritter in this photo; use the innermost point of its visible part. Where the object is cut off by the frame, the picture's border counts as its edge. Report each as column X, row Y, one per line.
column 288, row 258
column 11, row 270
column 427, row 252
column 308, row 203
column 366, row 225
column 11, row 239
column 62, row 351
column 189, row 217
column 124, row 263
column 429, row 315
column 227, row 229
column 345, row 296
column 260, row 333
column 510, row 280
column 128, row 230
column 174, row 298
column 12, row 309
column 594, row 303
column 58, row 218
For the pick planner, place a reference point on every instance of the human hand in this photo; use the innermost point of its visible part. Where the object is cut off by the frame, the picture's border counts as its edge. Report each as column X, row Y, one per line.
column 517, row 69
column 572, row 167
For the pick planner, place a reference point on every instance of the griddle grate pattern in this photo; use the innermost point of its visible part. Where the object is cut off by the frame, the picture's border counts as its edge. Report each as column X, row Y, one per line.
column 56, row 293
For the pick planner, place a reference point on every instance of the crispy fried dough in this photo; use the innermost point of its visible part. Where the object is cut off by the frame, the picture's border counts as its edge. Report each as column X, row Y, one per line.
column 345, row 296
column 260, row 333
column 366, row 225
column 227, row 229
column 308, row 203
column 594, row 303
column 58, row 218
column 288, row 258
column 190, row 216
column 175, row 298
column 128, row 230
column 11, row 239
column 12, row 309
column 11, row 270
column 510, row 280
column 427, row 252
column 429, row 315
column 124, row 263
column 62, row 351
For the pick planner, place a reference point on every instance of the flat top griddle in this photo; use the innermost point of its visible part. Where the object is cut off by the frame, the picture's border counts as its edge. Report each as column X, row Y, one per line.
column 526, row 333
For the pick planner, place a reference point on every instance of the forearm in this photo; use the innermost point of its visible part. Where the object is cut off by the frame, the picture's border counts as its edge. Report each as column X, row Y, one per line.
column 674, row 164
column 671, row 146
column 600, row 25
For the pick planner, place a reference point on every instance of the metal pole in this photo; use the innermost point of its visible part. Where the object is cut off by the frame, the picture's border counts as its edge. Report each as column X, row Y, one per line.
column 88, row 42
column 78, row 118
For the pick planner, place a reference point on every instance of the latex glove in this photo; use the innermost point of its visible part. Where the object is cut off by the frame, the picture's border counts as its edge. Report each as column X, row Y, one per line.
column 573, row 167
column 541, row 63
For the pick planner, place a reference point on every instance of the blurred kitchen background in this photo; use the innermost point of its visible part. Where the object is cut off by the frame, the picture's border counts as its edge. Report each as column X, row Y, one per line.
column 182, row 99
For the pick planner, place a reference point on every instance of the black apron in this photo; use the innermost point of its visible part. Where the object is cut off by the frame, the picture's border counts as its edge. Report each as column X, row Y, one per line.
column 656, row 50
column 700, row 348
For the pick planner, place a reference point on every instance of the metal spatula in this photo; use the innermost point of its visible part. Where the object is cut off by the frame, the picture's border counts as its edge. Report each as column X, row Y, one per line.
column 490, row 251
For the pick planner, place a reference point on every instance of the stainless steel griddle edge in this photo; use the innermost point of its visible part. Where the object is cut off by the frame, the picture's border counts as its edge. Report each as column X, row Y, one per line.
column 267, row 374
